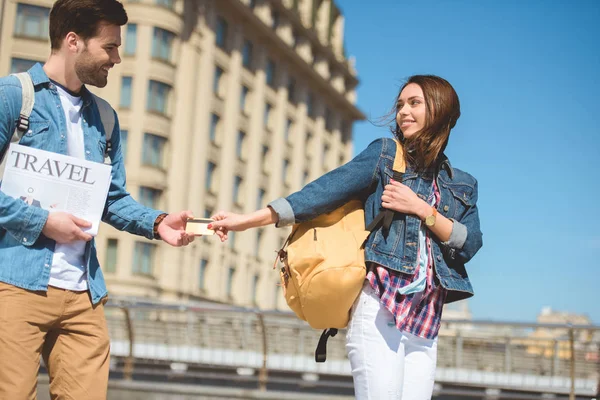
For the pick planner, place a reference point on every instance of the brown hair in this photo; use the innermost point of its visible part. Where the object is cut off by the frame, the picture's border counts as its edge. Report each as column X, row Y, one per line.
column 443, row 110
column 83, row 17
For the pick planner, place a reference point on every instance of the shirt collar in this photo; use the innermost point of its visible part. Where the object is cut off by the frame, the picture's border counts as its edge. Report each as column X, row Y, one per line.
column 39, row 77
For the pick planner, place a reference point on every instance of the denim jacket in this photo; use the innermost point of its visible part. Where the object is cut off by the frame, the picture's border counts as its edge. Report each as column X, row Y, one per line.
column 25, row 253
column 364, row 178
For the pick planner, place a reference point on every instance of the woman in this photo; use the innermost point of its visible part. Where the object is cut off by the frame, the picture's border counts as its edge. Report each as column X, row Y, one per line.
column 416, row 266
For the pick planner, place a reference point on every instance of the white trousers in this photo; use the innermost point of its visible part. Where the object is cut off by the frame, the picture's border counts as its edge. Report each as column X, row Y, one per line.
column 387, row 364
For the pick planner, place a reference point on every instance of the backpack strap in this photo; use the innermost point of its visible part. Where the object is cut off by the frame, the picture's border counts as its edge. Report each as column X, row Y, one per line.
column 321, row 351
column 28, row 99
column 387, row 216
column 27, row 102
column 107, row 116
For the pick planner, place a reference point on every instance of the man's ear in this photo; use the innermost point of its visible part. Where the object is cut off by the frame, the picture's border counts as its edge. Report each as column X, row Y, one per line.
column 73, row 42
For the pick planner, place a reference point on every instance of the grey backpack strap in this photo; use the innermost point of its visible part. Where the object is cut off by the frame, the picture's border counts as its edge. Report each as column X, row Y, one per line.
column 107, row 116
column 28, row 99
column 27, row 102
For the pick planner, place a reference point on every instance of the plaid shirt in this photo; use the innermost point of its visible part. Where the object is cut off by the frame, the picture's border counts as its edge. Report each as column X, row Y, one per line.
column 417, row 313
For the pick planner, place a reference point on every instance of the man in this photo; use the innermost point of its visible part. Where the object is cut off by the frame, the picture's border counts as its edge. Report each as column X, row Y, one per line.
column 52, row 291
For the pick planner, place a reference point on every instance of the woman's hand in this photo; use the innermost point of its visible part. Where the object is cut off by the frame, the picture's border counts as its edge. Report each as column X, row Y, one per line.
column 225, row 221
column 401, row 198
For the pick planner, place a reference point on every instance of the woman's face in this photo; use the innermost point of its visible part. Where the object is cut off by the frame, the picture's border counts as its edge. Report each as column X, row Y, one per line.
column 411, row 110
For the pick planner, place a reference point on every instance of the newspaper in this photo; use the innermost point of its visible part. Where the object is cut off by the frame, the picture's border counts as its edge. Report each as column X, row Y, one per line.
column 56, row 182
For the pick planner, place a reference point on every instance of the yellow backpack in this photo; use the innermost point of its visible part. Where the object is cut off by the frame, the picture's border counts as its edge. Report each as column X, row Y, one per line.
column 323, row 264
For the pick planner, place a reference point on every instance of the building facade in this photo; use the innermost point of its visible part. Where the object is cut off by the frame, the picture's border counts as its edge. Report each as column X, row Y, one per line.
column 222, row 104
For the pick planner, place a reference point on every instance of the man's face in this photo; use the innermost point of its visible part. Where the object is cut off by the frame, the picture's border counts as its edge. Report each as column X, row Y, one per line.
column 99, row 54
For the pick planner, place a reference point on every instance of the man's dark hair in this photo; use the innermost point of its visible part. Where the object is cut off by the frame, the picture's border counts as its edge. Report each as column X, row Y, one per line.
column 83, row 17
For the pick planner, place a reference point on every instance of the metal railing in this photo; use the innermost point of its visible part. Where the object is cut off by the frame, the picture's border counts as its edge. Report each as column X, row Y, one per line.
column 220, row 342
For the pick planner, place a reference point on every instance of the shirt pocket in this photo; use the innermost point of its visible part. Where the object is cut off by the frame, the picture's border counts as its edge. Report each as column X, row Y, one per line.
column 460, row 198
column 36, row 132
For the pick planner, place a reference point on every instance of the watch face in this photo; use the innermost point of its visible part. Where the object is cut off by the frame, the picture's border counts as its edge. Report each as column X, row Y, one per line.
column 430, row 220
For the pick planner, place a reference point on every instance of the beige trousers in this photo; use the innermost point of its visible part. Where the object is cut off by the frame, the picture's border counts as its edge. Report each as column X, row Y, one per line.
column 63, row 327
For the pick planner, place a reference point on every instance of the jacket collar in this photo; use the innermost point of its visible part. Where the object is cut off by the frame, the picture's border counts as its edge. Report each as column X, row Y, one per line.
column 445, row 164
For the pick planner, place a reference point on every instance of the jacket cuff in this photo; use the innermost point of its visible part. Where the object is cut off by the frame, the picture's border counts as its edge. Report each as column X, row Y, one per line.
column 34, row 221
column 458, row 237
column 149, row 224
column 284, row 211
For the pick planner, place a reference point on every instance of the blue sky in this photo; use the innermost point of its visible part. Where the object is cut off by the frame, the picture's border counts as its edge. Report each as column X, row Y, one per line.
column 528, row 77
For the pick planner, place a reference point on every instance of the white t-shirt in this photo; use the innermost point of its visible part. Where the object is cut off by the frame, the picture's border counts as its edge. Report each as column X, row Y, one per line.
column 68, row 269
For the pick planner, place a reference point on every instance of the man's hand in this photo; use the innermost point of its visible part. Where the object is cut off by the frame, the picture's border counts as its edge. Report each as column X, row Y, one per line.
column 172, row 229
column 66, row 228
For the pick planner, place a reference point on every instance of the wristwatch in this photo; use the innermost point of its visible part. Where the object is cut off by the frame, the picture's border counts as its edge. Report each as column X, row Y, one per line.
column 430, row 220
column 157, row 222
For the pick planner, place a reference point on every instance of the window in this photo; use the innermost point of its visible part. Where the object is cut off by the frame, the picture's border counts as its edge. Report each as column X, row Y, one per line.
column 265, row 158
column 170, row 4
column 202, row 274
column 254, row 288
column 260, row 198
column 158, row 96
column 32, row 21
column 210, row 171
column 130, row 40
column 259, row 236
column 310, row 107
column 153, row 150
column 229, row 287
column 231, row 239
column 309, row 142
column 124, row 137
column 162, row 44
column 221, row 33
column 252, row 4
column 110, row 264
column 328, row 120
column 239, row 150
column 294, row 38
column 237, row 184
column 214, row 124
column 291, row 91
column 150, row 197
column 325, row 154
column 126, row 83
column 346, row 129
column 217, row 80
column 288, row 128
column 267, row 116
column 315, row 56
column 20, row 65
column 270, row 72
column 274, row 19
column 305, row 178
column 284, row 171
column 276, row 296
column 143, row 258
column 243, row 97
column 247, row 54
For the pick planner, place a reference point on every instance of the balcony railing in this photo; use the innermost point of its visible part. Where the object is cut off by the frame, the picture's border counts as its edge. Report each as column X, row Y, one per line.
column 260, row 347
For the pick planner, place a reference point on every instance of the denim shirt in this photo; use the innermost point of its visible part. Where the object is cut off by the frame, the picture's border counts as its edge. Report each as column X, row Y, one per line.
column 364, row 178
column 25, row 253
